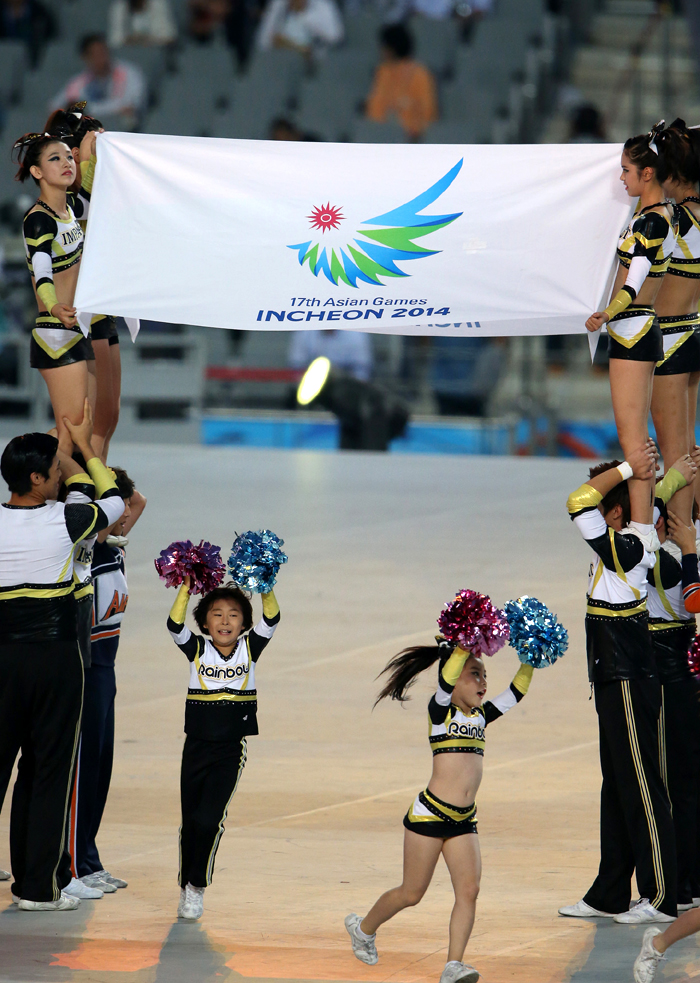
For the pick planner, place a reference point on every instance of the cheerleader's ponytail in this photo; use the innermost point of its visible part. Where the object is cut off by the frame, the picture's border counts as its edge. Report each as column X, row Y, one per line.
column 405, row 667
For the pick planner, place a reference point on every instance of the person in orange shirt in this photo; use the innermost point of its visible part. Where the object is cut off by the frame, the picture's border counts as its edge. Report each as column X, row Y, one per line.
column 402, row 88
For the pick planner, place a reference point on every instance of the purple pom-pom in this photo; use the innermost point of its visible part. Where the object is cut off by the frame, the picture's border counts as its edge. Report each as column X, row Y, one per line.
column 474, row 623
column 203, row 564
column 694, row 657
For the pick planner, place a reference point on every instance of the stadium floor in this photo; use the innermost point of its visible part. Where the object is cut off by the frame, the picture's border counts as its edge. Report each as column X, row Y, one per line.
column 377, row 543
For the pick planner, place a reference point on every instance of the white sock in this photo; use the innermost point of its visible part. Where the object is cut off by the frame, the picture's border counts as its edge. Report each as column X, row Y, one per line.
column 643, row 527
column 365, row 938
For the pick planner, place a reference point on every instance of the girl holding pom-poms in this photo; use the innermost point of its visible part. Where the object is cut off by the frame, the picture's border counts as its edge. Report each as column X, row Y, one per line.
column 221, row 705
column 442, row 818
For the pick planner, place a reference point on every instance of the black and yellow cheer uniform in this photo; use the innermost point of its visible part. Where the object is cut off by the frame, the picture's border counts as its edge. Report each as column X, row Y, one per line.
column 644, row 248
column 453, row 730
column 83, row 490
column 636, row 828
column 41, row 674
column 220, row 713
column 672, row 630
column 53, row 245
column 681, row 333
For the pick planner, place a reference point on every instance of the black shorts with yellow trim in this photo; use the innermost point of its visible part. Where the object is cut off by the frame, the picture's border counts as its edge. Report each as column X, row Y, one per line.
column 618, row 641
column 430, row 816
column 670, row 641
column 681, row 341
column 634, row 334
column 54, row 345
column 103, row 327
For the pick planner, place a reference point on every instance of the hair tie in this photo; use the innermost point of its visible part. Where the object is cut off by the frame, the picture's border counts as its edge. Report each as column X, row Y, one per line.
column 652, row 135
column 29, row 138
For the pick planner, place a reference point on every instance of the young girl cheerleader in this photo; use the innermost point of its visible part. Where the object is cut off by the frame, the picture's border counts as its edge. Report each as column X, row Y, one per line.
column 676, row 377
column 220, row 713
column 442, row 818
column 54, row 243
column 635, row 340
column 71, row 126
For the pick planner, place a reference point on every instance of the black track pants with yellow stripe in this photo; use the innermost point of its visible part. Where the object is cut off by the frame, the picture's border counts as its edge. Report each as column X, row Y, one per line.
column 209, row 778
column 636, row 827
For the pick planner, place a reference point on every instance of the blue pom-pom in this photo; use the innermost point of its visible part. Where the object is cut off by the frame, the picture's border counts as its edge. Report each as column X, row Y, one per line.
column 255, row 560
column 535, row 634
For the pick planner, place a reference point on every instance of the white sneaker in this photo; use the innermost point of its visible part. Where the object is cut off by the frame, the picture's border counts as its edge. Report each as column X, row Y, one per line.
column 191, row 905
column 642, row 914
column 95, row 880
column 457, row 972
column 648, row 959
column 696, row 902
column 15, row 899
column 64, row 903
column 583, row 910
column 364, row 949
column 686, row 907
column 105, row 875
column 5, row 875
column 78, row 889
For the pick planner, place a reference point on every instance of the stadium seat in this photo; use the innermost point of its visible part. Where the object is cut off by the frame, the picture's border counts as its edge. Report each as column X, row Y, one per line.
column 327, row 111
column 13, row 64
column 367, row 131
column 446, row 131
column 436, row 43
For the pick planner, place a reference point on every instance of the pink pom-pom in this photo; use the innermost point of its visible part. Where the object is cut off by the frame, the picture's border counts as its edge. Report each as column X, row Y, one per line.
column 203, row 564
column 474, row 623
column 694, row 657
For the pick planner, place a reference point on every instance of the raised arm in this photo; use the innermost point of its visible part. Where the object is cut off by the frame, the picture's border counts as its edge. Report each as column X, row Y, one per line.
column 87, row 175
column 179, row 632
column 495, row 708
column 265, row 628
column 685, row 537
column 447, row 677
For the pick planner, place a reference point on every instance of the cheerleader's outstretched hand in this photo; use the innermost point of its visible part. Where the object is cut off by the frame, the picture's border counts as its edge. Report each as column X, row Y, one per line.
column 684, row 536
column 643, row 461
column 596, row 321
column 687, row 466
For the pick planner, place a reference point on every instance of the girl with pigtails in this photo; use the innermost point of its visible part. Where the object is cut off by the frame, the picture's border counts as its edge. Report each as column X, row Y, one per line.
column 635, row 339
column 53, row 239
column 442, row 818
column 676, row 377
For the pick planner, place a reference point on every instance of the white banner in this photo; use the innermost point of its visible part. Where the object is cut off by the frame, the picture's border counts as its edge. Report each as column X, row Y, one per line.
column 404, row 239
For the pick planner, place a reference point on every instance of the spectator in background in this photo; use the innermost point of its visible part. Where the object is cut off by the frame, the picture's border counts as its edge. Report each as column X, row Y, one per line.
column 306, row 26
column 207, row 19
column 241, row 27
column 464, row 374
column 587, row 125
column 284, row 129
column 350, row 351
column 114, row 90
column 143, row 22
column 402, row 88
column 28, row 21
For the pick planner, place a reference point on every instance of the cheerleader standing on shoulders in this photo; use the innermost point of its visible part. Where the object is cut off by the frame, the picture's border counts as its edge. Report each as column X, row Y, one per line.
column 53, row 241
column 442, row 819
column 71, row 126
column 220, row 713
column 635, row 339
column 676, row 377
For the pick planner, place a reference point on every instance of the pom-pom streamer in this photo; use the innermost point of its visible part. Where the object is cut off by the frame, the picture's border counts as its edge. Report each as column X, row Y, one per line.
column 694, row 657
column 203, row 564
column 255, row 560
column 535, row 634
column 474, row 623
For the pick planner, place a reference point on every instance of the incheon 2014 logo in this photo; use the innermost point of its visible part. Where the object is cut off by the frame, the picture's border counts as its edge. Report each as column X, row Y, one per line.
column 378, row 250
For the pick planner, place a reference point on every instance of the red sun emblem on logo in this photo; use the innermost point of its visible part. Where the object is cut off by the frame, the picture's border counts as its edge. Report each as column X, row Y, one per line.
column 326, row 217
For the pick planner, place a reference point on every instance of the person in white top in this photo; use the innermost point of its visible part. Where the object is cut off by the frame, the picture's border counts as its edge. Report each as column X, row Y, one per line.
column 113, row 88
column 306, row 26
column 143, row 22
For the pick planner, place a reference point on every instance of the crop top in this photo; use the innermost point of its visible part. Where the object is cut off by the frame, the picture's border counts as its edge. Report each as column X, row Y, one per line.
column 686, row 255
column 453, row 729
column 53, row 245
column 645, row 249
column 222, row 700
